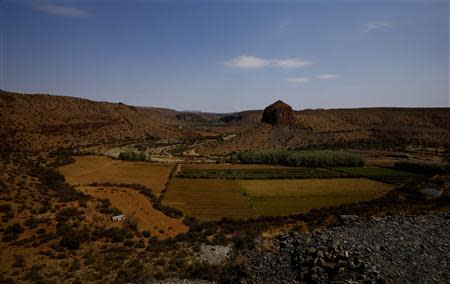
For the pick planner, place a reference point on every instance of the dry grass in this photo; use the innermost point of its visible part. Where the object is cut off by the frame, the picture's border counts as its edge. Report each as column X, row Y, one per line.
column 133, row 203
column 208, row 199
column 283, row 197
column 89, row 169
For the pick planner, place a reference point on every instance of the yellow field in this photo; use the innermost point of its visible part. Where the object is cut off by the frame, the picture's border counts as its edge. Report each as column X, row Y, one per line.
column 208, row 199
column 283, row 197
column 100, row 169
column 131, row 202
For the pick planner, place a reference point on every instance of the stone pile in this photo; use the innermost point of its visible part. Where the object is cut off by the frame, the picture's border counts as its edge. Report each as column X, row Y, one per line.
column 393, row 249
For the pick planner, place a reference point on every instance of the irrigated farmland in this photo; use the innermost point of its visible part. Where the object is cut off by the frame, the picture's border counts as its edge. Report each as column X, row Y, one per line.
column 284, row 197
column 391, row 176
column 135, row 205
column 261, row 173
column 90, row 169
column 208, row 199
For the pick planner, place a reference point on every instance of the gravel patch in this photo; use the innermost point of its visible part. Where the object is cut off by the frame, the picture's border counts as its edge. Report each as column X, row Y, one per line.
column 215, row 255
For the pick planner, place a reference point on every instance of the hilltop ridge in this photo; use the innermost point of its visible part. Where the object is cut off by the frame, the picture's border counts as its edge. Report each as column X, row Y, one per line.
column 37, row 122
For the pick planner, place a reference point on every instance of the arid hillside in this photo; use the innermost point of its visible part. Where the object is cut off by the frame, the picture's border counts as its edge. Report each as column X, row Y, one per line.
column 374, row 127
column 41, row 122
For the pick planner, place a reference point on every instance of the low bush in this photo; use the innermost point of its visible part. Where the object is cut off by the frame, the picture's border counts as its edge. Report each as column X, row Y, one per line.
column 106, row 208
column 132, row 222
column 12, row 232
column 19, row 261
column 31, row 222
column 68, row 213
column 423, row 168
column 70, row 242
column 50, row 178
column 116, row 235
column 5, row 208
column 71, row 238
column 40, row 231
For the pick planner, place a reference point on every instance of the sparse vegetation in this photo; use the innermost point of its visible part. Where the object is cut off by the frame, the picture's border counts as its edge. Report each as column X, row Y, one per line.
column 51, row 179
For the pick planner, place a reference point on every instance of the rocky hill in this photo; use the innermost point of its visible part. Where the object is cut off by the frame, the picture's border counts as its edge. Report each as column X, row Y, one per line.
column 279, row 113
column 39, row 122
column 42, row 122
column 280, row 127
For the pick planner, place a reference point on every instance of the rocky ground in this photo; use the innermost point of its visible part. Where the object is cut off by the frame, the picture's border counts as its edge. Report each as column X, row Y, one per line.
column 394, row 249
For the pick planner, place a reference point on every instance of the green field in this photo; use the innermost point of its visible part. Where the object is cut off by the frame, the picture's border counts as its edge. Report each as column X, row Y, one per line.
column 208, row 199
column 212, row 199
column 391, row 176
column 284, row 197
column 261, row 173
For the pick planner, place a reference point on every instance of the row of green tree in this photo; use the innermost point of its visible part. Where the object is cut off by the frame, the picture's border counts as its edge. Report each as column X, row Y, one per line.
column 318, row 158
column 134, row 156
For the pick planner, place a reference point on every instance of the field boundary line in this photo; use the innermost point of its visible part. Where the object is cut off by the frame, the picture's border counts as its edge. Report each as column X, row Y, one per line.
column 245, row 195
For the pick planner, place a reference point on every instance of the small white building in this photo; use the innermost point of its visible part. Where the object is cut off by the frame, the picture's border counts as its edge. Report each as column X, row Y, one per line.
column 120, row 217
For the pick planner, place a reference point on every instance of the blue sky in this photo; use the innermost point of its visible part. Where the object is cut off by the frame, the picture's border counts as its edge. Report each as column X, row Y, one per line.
column 227, row 56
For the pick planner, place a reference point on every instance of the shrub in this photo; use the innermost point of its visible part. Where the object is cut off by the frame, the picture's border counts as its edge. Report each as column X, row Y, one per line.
column 132, row 222
column 31, row 222
column 75, row 265
column 423, row 168
column 68, row 213
column 116, row 235
column 72, row 239
column 19, row 261
column 12, row 232
column 244, row 241
column 128, row 243
column 50, row 178
column 5, row 208
column 40, row 231
column 70, row 242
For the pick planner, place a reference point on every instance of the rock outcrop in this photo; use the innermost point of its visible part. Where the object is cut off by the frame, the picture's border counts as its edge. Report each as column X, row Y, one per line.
column 278, row 113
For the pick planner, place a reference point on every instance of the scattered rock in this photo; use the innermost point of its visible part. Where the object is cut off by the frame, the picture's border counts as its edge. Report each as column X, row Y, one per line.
column 394, row 249
column 431, row 192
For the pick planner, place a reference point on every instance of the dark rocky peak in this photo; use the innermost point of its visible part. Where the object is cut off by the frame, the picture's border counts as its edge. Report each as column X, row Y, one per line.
column 278, row 113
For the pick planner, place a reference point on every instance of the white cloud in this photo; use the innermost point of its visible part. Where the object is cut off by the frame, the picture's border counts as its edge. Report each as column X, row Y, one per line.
column 253, row 62
column 290, row 63
column 376, row 26
column 247, row 62
column 60, row 10
column 327, row 76
column 298, row 80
